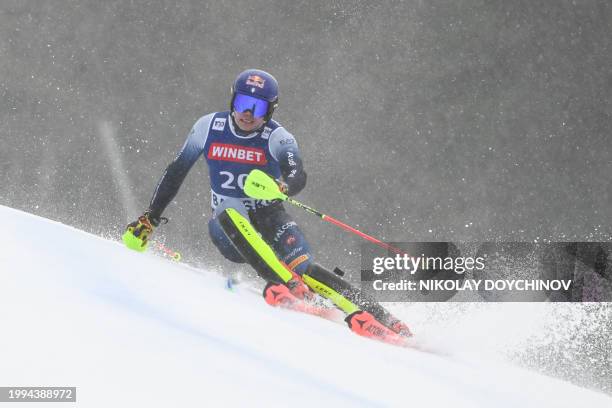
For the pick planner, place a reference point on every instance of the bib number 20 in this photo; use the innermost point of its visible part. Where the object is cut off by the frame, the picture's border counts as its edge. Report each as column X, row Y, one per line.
column 229, row 183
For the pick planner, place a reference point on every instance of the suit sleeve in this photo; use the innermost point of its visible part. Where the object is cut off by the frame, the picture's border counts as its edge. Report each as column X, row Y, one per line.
column 284, row 149
column 174, row 175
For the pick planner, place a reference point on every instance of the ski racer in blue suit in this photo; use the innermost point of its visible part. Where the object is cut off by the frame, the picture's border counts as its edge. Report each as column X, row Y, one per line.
column 233, row 143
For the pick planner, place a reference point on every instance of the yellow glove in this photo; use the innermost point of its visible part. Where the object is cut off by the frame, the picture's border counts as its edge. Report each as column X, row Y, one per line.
column 137, row 233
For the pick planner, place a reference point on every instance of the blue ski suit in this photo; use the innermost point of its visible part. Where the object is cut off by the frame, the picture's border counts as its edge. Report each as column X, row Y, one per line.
column 230, row 156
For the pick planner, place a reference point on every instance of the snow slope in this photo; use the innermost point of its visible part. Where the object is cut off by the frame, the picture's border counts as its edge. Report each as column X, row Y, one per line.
column 133, row 329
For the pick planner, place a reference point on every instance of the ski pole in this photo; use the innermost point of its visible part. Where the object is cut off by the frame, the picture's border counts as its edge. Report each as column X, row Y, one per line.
column 167, row 251
column 260, row 186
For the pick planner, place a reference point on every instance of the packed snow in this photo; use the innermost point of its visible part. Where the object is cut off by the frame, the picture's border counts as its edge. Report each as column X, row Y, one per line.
column 131, row 329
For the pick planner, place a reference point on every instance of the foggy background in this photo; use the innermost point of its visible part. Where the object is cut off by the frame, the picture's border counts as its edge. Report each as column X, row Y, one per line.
column 437, row 120
column 417, row 120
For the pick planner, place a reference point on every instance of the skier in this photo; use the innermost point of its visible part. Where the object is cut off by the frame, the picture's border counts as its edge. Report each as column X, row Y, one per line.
column 259, row 232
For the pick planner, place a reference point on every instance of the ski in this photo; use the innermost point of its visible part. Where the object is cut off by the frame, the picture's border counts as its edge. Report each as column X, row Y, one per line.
column 279, row 295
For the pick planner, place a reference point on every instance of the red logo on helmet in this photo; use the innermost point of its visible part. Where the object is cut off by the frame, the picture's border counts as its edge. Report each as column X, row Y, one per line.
column 255, row 80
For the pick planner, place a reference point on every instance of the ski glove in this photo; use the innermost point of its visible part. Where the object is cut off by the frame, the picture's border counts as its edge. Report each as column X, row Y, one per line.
column 283, row 187
column 137, row 233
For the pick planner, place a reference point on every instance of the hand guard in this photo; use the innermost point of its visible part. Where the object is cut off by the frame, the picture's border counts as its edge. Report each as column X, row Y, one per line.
column 137, row 233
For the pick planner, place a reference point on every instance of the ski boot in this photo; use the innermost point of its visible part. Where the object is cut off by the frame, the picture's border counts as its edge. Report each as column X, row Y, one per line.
column 280, row 295
column 366, row 325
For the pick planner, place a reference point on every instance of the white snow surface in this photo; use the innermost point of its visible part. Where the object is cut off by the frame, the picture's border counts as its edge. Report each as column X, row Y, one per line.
column 136, row 330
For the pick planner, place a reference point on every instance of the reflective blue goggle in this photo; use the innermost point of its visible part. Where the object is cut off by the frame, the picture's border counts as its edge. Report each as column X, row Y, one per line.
column 258, row 107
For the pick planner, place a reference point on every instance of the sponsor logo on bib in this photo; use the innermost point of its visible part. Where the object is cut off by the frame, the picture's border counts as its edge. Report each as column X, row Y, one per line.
column 219, row 124
column 238, row 154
